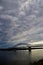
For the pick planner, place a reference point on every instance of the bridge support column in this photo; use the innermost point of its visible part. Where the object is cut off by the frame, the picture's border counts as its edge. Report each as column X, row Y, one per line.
column 29, row 49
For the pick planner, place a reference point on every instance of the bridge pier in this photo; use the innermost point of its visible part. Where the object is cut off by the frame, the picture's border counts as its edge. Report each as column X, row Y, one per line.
column 29, row 49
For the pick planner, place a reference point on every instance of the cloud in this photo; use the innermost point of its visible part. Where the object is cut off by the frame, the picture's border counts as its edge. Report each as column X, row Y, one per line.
column 21, row 23
column 38, row 43
column 1, row 7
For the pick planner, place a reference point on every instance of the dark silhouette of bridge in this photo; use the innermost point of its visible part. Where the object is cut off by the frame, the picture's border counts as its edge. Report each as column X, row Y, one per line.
column 15, row 48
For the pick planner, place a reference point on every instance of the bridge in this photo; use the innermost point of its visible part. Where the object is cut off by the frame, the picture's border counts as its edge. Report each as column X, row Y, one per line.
column 14, row 49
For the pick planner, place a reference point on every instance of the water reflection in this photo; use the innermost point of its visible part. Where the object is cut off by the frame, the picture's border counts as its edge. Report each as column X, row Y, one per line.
column 37, row 54
column 12, row 57
column 22, row 57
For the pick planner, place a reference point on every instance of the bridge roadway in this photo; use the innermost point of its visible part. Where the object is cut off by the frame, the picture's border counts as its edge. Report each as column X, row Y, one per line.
column 14, row 49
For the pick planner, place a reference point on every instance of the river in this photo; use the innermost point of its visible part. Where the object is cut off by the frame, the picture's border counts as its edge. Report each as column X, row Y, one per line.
column 23, row 57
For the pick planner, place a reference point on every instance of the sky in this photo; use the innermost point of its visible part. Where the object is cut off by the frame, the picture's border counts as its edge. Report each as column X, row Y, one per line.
column 21, row 21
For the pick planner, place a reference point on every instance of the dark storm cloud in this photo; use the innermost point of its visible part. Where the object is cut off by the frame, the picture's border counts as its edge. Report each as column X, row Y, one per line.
column 21, row 21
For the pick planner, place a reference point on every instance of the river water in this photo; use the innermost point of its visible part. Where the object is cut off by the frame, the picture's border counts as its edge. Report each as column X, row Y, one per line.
column 23, row 57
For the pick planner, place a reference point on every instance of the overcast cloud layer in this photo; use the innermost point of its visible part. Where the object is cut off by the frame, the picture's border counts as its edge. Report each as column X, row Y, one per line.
column 20, row 21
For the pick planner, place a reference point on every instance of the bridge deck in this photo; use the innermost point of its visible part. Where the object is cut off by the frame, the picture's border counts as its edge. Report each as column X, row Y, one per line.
column 29, row 48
